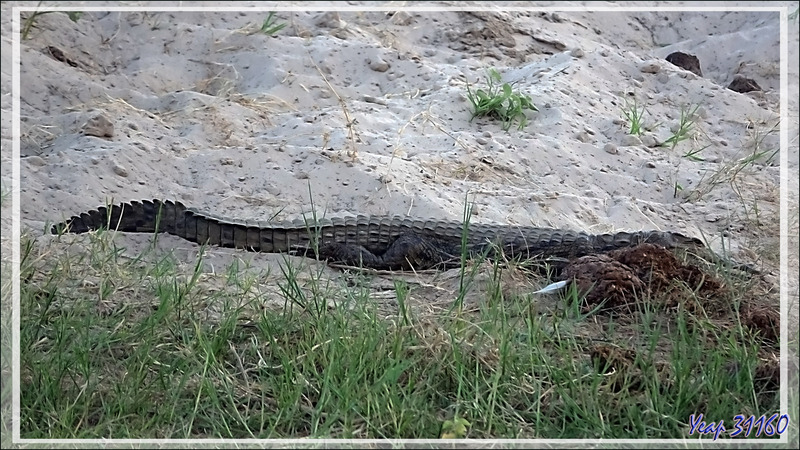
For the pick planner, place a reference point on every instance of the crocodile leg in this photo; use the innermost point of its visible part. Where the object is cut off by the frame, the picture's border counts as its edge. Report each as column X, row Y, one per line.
column 408, row 251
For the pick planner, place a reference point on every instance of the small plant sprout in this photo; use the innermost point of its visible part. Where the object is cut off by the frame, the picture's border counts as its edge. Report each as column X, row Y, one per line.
column 269, row 27
column 500, row 101
column 455, row 429
column 685, row 127
column 634, row 116
column 676, row 189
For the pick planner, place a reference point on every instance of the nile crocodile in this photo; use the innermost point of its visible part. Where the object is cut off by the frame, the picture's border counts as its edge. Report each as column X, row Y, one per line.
column 379, row 242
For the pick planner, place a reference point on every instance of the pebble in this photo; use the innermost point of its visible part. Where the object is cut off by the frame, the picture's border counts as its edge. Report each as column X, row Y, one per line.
column 631, row 140
column 401, row 18
column 375, row 100
column 650, row 67
column 36, row 160
column 120, row 170
column 99, row 126
column 330, row 19
column 378, row 65
column 577, row 52
column 648, row 140
column 611, row 149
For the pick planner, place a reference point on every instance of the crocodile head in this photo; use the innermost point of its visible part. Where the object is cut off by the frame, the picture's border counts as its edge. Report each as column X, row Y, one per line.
column 674, row 240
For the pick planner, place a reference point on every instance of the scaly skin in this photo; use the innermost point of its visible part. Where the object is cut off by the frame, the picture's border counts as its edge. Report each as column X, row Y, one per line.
column 379, row 242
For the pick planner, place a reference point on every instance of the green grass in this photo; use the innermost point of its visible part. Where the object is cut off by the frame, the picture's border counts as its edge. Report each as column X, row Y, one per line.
column 270, row 27
column 694, row 154
column 634, row 114
column 146, row 346
column 685, row 129
column 500, row 101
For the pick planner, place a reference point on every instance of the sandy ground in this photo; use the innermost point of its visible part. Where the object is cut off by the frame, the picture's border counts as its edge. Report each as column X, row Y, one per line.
column 368, row 111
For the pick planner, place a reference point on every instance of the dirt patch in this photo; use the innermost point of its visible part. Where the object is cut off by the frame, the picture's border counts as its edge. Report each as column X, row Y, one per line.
column 761, row 319
column 743, row 85
column 686, row 61
column 604, row 281
column 623, row 277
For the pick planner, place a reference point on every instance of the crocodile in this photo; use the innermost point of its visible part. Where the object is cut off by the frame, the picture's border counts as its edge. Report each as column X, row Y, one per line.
column 377, row 242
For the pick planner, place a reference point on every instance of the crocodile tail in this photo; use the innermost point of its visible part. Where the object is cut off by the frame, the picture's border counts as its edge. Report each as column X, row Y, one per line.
column 140, row 217
column 174, row 218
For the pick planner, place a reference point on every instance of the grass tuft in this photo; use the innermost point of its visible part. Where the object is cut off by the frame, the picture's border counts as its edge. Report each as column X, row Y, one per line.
column 634, row 114
column 685, row 127
column 270, row 27
column 500, row 101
